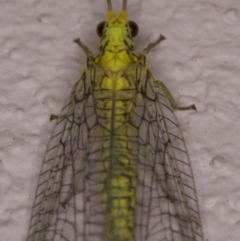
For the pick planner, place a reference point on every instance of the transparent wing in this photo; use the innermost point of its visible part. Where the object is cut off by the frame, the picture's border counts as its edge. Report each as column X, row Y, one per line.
column 167, row 202
column 57, row 211
column 67, row 205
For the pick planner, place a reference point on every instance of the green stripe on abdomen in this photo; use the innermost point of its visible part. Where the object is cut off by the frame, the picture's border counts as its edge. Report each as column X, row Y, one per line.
column 118, row 189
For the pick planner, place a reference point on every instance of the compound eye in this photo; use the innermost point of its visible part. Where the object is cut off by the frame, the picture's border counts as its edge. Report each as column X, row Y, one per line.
column 100, row 28
column 133, row 28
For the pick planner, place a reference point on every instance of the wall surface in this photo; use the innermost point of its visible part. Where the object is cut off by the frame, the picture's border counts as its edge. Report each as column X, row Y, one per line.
column 199, row 62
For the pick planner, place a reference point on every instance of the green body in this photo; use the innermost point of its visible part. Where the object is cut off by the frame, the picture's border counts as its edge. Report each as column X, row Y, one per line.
column 118, row 169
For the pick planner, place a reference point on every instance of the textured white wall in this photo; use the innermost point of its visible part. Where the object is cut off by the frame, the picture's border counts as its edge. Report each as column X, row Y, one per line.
column 199, row 62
